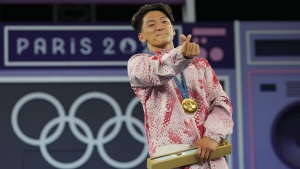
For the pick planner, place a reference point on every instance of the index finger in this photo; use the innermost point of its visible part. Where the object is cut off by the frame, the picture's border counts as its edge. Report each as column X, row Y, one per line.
column 187, row 41
column 188, row 38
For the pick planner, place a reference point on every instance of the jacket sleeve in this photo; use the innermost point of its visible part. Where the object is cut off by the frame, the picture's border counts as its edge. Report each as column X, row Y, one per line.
column 145, row 70
column 219, row 123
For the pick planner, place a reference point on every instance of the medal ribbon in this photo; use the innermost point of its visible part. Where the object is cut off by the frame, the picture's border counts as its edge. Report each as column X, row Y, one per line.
column 182, row 88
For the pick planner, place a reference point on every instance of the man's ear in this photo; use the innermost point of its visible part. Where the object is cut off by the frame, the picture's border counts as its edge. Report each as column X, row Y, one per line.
column 142, row 37
column 174, row 32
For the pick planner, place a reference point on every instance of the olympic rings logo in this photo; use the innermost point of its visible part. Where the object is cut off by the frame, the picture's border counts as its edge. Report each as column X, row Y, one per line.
column 88, row 138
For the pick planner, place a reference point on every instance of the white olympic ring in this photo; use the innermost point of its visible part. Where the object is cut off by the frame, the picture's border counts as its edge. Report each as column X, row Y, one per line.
column 88, row 138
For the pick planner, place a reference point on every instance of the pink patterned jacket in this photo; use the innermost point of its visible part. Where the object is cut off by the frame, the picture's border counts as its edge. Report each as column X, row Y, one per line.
column 151, row 78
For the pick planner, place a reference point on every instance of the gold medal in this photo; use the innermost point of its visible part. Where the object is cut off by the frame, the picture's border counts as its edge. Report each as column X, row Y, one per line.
column 189, row 106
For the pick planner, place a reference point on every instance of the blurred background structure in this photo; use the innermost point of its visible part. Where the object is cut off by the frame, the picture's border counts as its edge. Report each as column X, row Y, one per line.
column 66, row 101
column 108, row 11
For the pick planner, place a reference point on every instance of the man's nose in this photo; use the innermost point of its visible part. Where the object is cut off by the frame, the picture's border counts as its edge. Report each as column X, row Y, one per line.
column 159, row 26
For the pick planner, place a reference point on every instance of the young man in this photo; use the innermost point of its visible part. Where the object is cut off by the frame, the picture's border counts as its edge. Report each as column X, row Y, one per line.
column 184, row 104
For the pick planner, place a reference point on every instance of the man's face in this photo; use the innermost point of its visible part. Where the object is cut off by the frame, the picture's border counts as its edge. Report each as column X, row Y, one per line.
column 157, row 30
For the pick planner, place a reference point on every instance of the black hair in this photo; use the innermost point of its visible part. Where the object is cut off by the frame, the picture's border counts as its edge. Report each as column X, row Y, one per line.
column 137, row 18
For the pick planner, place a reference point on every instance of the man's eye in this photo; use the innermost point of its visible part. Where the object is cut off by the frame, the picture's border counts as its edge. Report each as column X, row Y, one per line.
column 151, row 25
